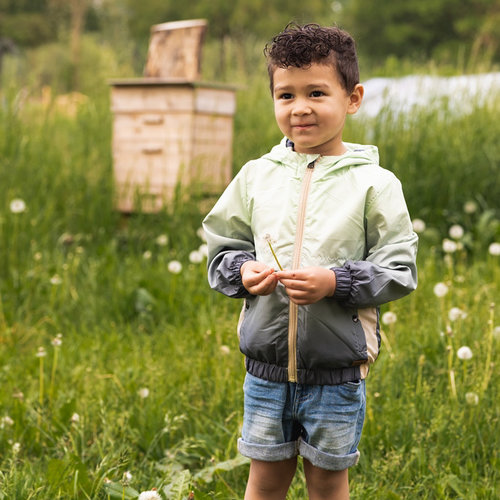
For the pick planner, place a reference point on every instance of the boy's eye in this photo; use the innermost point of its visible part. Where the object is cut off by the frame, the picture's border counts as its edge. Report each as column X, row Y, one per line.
column 285, row 95
column 316, row 93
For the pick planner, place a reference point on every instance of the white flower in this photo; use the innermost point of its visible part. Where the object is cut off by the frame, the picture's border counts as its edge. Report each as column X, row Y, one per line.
column 494, row 249
column 162, row 240
column 203, row 250
column 456, row 231
column 149, row 495
column 55, row 280
column 127, row 477
column 57, row 340
column 389, row 318
column 6, row 421
column 471, row 398
column 456, row 313
column 143, row 392
column 75, row 418
column 440, row 289
column 449, row 246
column 37, row 256
column 175, row 267
column 147, row 255
column 224, row 349
column 16, row 448
column 17, row 206
column 464, row 353
column 496, row 332
column 201, row 234
column 195, row 257
column 41, row 353
column 418, row 225
column 470, row 207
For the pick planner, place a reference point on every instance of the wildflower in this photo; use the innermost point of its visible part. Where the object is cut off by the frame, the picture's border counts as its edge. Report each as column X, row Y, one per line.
column 66, row 239
column 149, row 495
column 143, row 392
column 6, row 421
column 57, row 340
column 389, row 318
column 470, row 207
column 496, row 332
column 203, row 249
column 17, row 206
column 440, row 289
column 75, row 418
column 418, row 225
column 494, row 249
column 456, row 313
column 464, row 353
column 195, row 257
column 147, row 255
column 55, row 280
column 37, row 256
column 201, row 234
column 175, row 267
column 456, row 231
column 162, row 240
column 224, row 349
column 16, row 448
column 41, row 353
column 449, row 246
column 127, row 477
column 471, row 398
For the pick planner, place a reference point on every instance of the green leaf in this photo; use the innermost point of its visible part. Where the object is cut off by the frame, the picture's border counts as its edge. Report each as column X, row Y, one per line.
column 116, row 490
column 207, row 475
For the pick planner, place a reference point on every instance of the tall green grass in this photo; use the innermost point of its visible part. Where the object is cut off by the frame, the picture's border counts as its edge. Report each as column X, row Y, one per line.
column 75, row 421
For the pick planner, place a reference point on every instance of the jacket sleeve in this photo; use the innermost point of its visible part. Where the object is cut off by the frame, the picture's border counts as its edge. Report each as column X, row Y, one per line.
column 229, row 239
column 389, row 270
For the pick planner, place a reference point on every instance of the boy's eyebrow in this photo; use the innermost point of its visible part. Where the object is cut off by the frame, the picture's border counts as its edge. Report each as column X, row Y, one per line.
column 314, row 85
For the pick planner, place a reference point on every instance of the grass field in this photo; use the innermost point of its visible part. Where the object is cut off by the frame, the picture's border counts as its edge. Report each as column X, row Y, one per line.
column 120, row 370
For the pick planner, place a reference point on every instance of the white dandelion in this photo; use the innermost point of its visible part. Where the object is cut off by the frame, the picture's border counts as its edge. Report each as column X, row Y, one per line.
column 456, row 313
column 147, row 255
column 464, row 353
column 16, row 448
column 440, row 289
column 41, row 353
column 75, row 418
column 494, row 249
column 174, row 266
column 17, row 206
column 203, row 249
column 224, row 349
column 470, row 207
column 57, row 340
column 456, row 231
column 389, row 318
column 471, row 398
column 449, row 246
column 162, row 240
column 149, row 495
column 143, row 392
column 55, row 280
column 201, row 234
column 496, row 332
column 419, row 225
column 6, row 422
column 195, row 257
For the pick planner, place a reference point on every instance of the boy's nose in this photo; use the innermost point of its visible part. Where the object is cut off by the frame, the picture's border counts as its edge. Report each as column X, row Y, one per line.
column 301, row 107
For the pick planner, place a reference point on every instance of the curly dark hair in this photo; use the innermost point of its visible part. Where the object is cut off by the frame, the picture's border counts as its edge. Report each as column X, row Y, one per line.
column 300, row 46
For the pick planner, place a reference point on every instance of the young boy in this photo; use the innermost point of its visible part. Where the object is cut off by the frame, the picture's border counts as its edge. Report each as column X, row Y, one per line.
column 337, row 227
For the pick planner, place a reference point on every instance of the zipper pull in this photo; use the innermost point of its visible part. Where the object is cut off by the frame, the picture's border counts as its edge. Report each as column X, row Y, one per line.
column 311, row 165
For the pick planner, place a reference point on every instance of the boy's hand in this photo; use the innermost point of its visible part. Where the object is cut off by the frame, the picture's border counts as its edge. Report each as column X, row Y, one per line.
column 258, row 278
column 308, row 285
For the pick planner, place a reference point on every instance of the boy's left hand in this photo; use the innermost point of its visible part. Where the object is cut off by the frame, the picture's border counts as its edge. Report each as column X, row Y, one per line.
column 308, row 285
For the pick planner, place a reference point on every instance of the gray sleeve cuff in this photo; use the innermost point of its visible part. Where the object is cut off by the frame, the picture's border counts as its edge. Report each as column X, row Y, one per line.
column 344, row 283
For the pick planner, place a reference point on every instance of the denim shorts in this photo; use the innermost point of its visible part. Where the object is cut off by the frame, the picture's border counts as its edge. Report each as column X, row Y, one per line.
column 322, row 423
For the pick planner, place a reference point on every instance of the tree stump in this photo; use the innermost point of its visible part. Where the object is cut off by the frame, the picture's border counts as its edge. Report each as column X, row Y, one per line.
column 175, row 50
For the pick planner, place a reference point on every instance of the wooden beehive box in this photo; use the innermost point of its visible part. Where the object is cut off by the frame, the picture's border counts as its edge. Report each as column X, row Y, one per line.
column 169, row 131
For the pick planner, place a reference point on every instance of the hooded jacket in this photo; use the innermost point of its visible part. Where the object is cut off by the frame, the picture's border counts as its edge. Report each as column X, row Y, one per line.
column 345, row 213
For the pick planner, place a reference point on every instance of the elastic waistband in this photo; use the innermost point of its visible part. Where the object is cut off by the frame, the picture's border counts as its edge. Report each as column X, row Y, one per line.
column 277, row 373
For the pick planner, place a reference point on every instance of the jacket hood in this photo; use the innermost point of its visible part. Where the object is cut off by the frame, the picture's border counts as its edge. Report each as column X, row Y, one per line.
column 356, row 155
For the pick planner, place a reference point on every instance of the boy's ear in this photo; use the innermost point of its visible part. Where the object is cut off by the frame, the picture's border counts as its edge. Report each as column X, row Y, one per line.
column 355, row 99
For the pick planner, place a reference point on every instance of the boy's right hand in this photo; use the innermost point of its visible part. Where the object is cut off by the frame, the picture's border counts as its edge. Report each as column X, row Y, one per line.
column 258, row 278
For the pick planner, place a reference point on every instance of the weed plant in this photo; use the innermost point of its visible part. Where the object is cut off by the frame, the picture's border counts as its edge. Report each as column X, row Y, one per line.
column 119, row 368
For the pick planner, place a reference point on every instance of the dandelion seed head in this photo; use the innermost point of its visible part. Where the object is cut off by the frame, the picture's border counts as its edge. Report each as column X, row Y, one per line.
column 449, row 246
column 496, row 332
column 389, row 318
column 456, row 231
column 127, row 477
column 419, row 225
column 55, row 280
column 456, row 313
column 143, row 392
column 17, row 206
column 16, row 448
column 149, row 495
column 470, row 207
column 201, row 234
column 471, row 398
column 41, row 353
column 203, row 249
column 224, row 349
column 162, row 240
column 147, row 255
column 440, row 289
column 57, row 340
column 494, row 249
column 6, row 422
column 195, row 257
column 174, row 266
column 37, row 256
column 464, row 353
column 75, row 418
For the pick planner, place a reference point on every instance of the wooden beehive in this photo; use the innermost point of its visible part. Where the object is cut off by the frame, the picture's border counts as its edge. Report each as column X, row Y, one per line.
column 168, row 131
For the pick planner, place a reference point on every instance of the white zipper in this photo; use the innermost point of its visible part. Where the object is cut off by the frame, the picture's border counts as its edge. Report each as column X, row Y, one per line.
column 294, row 308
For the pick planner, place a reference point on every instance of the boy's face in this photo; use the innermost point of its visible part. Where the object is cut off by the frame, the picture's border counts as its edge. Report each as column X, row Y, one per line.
column 310, row 107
